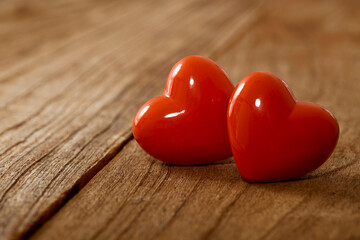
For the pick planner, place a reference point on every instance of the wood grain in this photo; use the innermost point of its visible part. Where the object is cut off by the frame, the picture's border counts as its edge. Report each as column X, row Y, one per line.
column 78, row 74
column 75, row 114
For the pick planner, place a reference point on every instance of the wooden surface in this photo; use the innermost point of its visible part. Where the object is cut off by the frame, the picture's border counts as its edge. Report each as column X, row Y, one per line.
column 74, row 73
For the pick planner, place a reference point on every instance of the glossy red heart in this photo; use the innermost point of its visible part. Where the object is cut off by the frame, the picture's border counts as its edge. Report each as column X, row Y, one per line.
column 274, row 137
column 187, row 124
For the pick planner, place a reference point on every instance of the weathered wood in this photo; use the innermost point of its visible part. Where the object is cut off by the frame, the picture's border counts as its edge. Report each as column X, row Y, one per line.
column 67, row 111
column 314, row 47
column 73, row 74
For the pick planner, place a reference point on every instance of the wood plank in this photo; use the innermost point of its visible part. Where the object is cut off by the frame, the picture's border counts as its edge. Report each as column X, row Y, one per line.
column 314, row 47
column 55, row 23
column 68, row 112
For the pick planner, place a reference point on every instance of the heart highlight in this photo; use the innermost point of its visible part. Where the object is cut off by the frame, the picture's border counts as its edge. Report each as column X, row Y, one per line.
column 273, row 136
column 186, row 125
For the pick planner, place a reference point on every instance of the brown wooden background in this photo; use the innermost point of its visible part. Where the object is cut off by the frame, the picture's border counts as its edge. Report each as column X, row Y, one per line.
column 74, row 73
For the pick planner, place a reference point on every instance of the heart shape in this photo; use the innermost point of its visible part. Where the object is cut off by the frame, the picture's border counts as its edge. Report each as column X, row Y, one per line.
column 186, row 125
column 274, row 137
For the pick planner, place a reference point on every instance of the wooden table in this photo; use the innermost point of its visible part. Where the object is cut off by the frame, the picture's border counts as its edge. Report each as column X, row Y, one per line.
column 74, row 73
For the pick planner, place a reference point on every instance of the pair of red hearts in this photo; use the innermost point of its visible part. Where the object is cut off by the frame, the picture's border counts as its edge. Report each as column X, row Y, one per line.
column 200, row 119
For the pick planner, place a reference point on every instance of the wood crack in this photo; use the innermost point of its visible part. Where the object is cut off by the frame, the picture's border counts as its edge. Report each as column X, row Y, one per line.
column 147, row 205
column 288, row 213
column 209, row 232
column 122, row 206
column 178, row 209
column 79, row 185
column 59, row 144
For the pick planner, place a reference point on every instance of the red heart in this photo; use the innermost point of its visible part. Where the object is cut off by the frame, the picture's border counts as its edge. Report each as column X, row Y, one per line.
column 187, row 123
column 274, row 137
